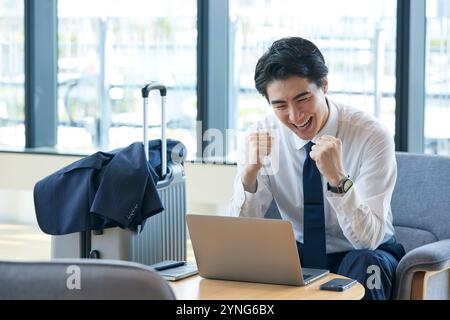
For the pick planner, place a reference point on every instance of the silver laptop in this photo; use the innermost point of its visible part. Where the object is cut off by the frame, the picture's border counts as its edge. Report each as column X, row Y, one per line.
column 248, row 249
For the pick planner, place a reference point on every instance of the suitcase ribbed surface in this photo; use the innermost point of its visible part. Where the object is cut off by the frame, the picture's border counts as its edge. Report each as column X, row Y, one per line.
column 164, row 235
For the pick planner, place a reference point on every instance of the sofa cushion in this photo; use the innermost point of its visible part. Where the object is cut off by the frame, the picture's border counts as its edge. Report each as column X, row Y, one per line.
column 412, row 238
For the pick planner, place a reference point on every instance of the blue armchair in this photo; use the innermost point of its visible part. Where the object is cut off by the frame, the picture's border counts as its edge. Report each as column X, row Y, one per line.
column 421, row 212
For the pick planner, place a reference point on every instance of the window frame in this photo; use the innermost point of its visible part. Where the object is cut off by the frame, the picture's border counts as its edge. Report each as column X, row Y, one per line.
column 213, row 74
column 41, row 58
column 410, row 76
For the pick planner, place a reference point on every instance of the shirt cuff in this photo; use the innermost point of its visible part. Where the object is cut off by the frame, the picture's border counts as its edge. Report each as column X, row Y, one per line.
column 245, row 196
column 345, row 203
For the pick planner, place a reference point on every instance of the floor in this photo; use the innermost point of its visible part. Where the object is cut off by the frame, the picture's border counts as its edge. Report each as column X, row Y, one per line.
column 23, row 242
column 28, row 242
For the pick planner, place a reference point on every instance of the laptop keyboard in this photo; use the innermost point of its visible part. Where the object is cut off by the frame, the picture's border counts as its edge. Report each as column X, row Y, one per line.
column 306, row 276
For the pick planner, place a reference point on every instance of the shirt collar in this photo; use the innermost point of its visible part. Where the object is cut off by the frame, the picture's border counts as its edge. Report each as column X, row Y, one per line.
column 330, row 128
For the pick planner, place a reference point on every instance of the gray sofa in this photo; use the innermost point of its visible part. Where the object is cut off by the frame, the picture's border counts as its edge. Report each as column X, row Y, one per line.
column 421, row 212
column 73, row 279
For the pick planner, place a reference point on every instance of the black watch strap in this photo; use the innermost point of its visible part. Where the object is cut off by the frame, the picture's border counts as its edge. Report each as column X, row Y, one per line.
column 341, row 187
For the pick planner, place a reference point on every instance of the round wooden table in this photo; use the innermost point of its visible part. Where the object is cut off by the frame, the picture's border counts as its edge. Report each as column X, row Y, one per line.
column 198, row 288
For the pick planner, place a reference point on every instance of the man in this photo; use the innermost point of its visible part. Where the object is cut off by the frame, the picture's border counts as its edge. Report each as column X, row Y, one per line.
column 329, row 168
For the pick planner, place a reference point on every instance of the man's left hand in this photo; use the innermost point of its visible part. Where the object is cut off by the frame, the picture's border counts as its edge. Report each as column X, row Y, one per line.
column 327, row 153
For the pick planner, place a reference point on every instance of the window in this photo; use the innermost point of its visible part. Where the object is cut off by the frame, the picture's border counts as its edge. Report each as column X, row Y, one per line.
column 357, row 38
column 108, row 53
column 437, row 101
column 12, row 129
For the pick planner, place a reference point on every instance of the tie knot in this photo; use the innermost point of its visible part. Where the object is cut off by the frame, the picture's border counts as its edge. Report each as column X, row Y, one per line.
column 308, row 147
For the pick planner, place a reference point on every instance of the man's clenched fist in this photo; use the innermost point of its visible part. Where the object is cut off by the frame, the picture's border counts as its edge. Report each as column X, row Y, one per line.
column 327, row 153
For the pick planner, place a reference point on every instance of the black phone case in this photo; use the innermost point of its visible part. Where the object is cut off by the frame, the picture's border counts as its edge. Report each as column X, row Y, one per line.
column 338, row 284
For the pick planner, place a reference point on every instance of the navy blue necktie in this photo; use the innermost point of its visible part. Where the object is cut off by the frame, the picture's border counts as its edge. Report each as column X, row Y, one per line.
column 314, row 248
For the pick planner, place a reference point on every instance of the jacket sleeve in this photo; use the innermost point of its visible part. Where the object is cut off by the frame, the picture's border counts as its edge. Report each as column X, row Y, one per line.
column 126, row 193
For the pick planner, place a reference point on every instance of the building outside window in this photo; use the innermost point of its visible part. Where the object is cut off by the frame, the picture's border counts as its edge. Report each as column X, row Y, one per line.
column 107, row 54
column 357, row 38
column 12, row 129
column 437, row 101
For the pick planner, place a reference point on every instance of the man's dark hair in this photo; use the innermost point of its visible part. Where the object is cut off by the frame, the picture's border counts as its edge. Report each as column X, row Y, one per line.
column 288, row 57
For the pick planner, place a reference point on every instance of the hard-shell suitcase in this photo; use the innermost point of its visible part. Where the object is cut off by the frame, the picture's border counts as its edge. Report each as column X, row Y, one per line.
column 163, row 236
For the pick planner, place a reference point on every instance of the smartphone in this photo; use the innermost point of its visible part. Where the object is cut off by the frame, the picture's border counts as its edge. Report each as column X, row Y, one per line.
column 167, row 264
column 338, row 284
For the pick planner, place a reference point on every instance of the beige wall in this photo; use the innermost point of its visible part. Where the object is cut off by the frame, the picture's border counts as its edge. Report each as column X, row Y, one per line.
column 208, row 187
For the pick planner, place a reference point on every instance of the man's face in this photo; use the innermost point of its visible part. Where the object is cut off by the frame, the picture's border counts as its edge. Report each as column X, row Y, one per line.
column 300, row 104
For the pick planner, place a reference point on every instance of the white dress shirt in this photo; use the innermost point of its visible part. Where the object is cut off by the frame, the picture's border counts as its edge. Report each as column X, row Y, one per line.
column 358, row 219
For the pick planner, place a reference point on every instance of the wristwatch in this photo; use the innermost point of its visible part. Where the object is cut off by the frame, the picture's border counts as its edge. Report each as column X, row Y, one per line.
column 344, row 185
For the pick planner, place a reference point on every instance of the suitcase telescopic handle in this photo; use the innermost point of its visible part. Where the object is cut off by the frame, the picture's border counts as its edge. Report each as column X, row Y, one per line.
column 154, row 85
column 163, row 92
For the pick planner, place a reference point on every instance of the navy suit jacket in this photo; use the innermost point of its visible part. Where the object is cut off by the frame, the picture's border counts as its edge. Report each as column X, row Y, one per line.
column 106, row 189
column 176, row 153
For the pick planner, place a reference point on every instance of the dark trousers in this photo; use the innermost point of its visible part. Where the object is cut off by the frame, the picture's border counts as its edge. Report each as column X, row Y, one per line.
column 374, row 269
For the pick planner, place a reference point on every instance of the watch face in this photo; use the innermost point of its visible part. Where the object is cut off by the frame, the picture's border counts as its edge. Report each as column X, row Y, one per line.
column 347, row 185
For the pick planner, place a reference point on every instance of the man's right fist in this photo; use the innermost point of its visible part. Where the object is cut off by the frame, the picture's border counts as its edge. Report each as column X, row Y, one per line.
column 259, row 145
